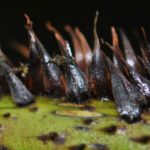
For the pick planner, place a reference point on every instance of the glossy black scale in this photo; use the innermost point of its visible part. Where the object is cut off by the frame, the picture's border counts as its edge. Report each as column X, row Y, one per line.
column 52, row 76
column 35, row 74
column 19, row 92
column 76, row 82
column 130, row 55
column 140, row 82
column 99, row 78
column 127, row 96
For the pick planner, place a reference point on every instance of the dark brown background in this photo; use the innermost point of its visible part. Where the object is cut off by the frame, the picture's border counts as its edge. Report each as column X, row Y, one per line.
column 127, row 14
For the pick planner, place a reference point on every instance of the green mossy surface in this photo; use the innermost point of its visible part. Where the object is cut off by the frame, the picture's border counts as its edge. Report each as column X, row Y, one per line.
column 20, row 130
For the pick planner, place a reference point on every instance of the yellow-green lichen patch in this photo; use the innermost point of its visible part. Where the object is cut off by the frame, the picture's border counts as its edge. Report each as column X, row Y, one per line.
column 21, row 128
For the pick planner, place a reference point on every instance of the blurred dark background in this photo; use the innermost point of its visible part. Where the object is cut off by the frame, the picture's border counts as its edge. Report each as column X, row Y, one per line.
column 127, row 14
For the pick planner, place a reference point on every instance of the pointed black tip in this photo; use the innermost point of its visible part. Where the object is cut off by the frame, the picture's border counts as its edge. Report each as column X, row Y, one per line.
column 131, row 119
column 27, row 103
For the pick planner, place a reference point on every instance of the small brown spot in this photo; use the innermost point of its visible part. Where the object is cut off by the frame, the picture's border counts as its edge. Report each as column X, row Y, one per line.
column 33, row 109
column 44, row 138
column 78, row 147
column 52, row 136
column 110, row 130
column 3, row 147
column 115, row 129
column 88, row 121
column 98, row 147
column 88, row 108
column 6, row 115
column 81, row 128
column 142, row 140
